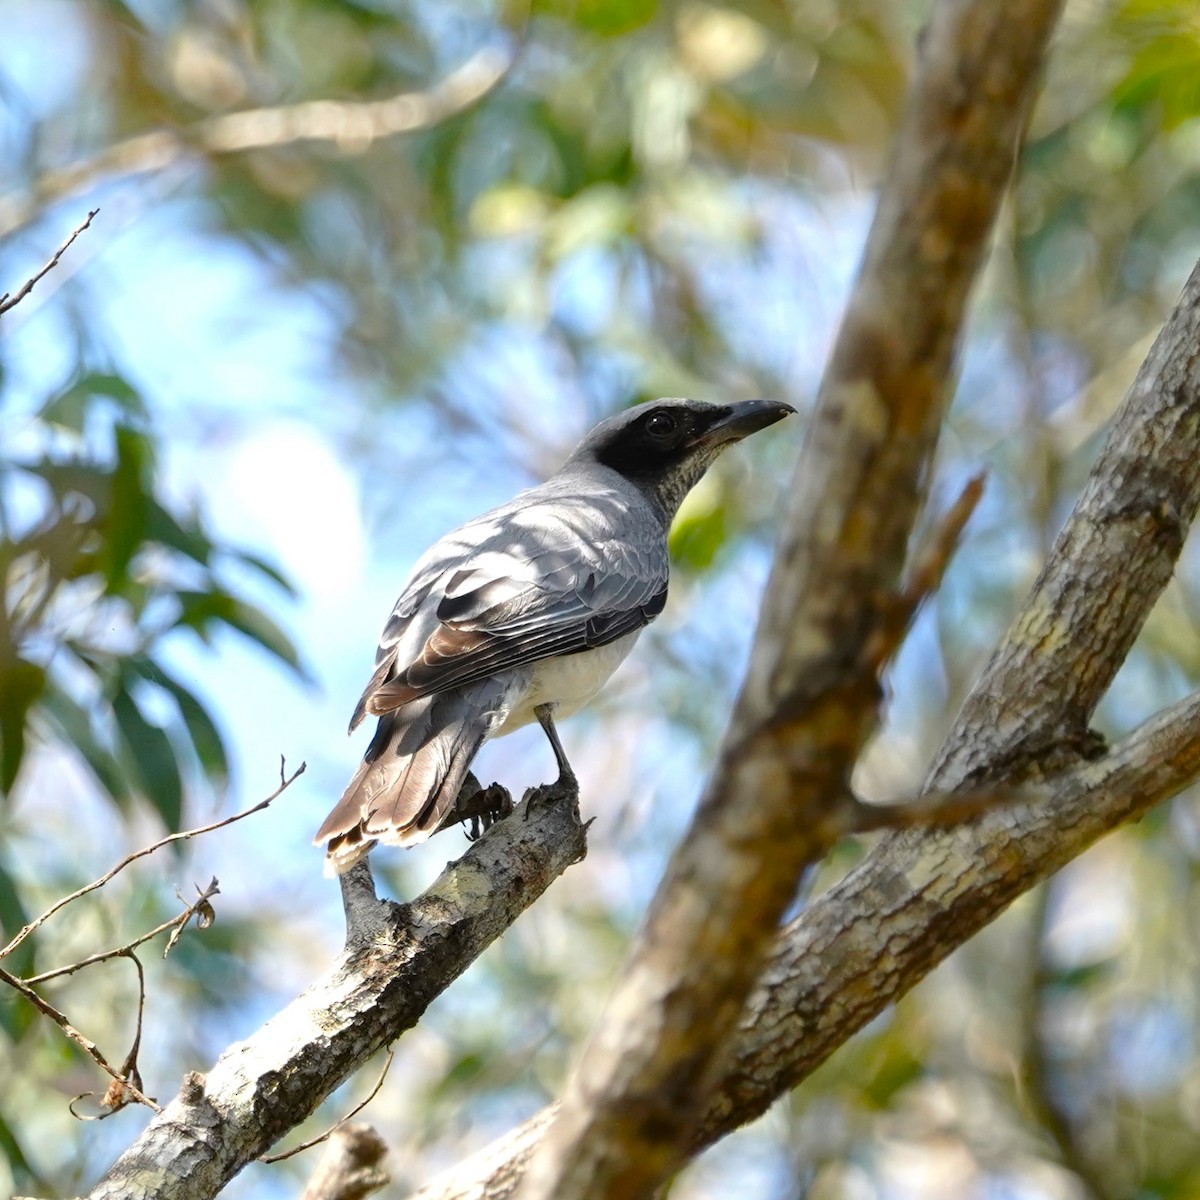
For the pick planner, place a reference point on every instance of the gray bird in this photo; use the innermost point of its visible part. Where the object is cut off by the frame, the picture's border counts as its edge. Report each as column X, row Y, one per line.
column 524, row 613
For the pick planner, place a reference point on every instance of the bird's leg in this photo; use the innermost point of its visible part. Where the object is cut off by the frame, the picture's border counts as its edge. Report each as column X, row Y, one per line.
column 545, row 716
column 482, row 806
column 566, row 784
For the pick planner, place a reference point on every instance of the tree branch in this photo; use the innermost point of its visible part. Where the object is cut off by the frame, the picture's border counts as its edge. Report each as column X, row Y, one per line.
column 923, row 892
column 811, row 696
column 8, row 301
column 350, row 125
column 842, row 962
column 350, row 1167
column 285, row 781
column 267, row 1084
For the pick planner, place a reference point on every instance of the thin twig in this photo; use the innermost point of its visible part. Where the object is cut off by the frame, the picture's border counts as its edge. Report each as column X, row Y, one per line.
column 924, row 574
column 316, row 1141
column 178, row 922
column 118, row 1094
column 84, row 1043
column 183, row 835
column 935, row 810
column 7, row 301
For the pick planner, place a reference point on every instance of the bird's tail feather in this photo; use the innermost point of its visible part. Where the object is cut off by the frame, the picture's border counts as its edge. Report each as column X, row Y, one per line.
column 410, row 777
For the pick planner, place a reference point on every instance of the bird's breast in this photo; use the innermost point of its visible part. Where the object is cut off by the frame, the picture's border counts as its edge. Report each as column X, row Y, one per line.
column 567, row 681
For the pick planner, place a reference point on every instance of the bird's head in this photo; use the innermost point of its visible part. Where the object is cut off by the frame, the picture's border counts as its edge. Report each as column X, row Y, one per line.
column 665, row 446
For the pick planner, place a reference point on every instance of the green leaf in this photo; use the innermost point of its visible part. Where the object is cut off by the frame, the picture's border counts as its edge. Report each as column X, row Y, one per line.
column 76, row 478
column 14, row 916
column 263, row 567
column 152, row 759
column 189, row 540
column 76, row 726
column 127, row 510
column 609, row 18
column 69, row 409
column 21, row 685
column 696, row 536
column 1083, row 976
column 202, row 731
column 200, row 610
column 25, row 1176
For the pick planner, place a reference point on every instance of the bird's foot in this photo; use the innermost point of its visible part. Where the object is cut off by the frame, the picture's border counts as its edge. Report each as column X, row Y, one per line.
column 565, row 787
column 478, row 807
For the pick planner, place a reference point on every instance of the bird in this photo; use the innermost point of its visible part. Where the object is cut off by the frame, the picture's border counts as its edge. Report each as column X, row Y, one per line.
column 522, row 614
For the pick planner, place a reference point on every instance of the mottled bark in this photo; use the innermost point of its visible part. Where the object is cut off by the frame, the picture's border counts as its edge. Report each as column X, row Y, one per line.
column 811, row 695
column 882, row 929
column 266, row 1085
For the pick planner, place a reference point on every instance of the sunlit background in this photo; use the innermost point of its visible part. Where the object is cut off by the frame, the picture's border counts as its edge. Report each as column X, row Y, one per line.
column 310, row 357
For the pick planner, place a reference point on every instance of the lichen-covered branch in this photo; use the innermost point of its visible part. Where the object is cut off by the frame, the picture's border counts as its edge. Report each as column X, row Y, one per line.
column 811, row 696
column 264, row 1086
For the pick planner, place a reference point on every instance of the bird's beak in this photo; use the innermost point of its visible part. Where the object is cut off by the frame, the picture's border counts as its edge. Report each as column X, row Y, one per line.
column 743, row 419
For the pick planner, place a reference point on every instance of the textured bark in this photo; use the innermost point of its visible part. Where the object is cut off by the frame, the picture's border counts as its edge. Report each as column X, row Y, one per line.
column 266, row 1085
column 922, row 893
column 1107, row 567
column 878, row 933
column 811, row 696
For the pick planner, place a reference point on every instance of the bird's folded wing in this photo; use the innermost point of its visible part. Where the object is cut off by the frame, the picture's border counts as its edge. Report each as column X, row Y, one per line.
column 538, row 584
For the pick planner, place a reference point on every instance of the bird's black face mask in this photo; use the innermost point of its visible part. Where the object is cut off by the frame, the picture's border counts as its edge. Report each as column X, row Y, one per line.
column 667, row 439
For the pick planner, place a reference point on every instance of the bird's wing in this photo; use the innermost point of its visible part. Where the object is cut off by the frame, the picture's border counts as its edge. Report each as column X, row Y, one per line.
column 536, row 578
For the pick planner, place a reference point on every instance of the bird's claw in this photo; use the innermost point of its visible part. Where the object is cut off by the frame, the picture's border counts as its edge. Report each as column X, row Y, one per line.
column 565, row 787
column 479, row 808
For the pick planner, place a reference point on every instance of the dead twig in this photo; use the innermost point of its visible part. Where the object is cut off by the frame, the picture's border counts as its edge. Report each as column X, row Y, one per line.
column 924, row 574
column 89, row 1047
column 316, row 1141
column 8, row 300
column 200, row 908
column 935, row 810
column 184, row 835
column 117, row 1095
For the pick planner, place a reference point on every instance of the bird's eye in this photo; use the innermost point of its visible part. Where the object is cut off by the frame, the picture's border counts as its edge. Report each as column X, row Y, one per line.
column 661, row 425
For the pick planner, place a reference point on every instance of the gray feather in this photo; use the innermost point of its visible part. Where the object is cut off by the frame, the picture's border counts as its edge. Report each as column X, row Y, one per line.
column 412, row 772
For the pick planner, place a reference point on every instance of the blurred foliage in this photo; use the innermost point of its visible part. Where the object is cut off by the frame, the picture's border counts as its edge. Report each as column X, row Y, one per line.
column 656, row 198
column 98, row 574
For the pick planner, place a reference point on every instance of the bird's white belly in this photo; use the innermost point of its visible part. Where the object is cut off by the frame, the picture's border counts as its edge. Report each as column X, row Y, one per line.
column 568, row 682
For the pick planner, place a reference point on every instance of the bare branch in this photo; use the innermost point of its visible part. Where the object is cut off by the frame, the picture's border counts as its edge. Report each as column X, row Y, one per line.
column 1108, row 566
column 7, row 301
column 182, row 836
column 117, row 1095
column 200, row 907
column 84, row 1043
column 811, row 695
column 264, row 1086
column 842, row 962
column 352, row 126
column 923, row 576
